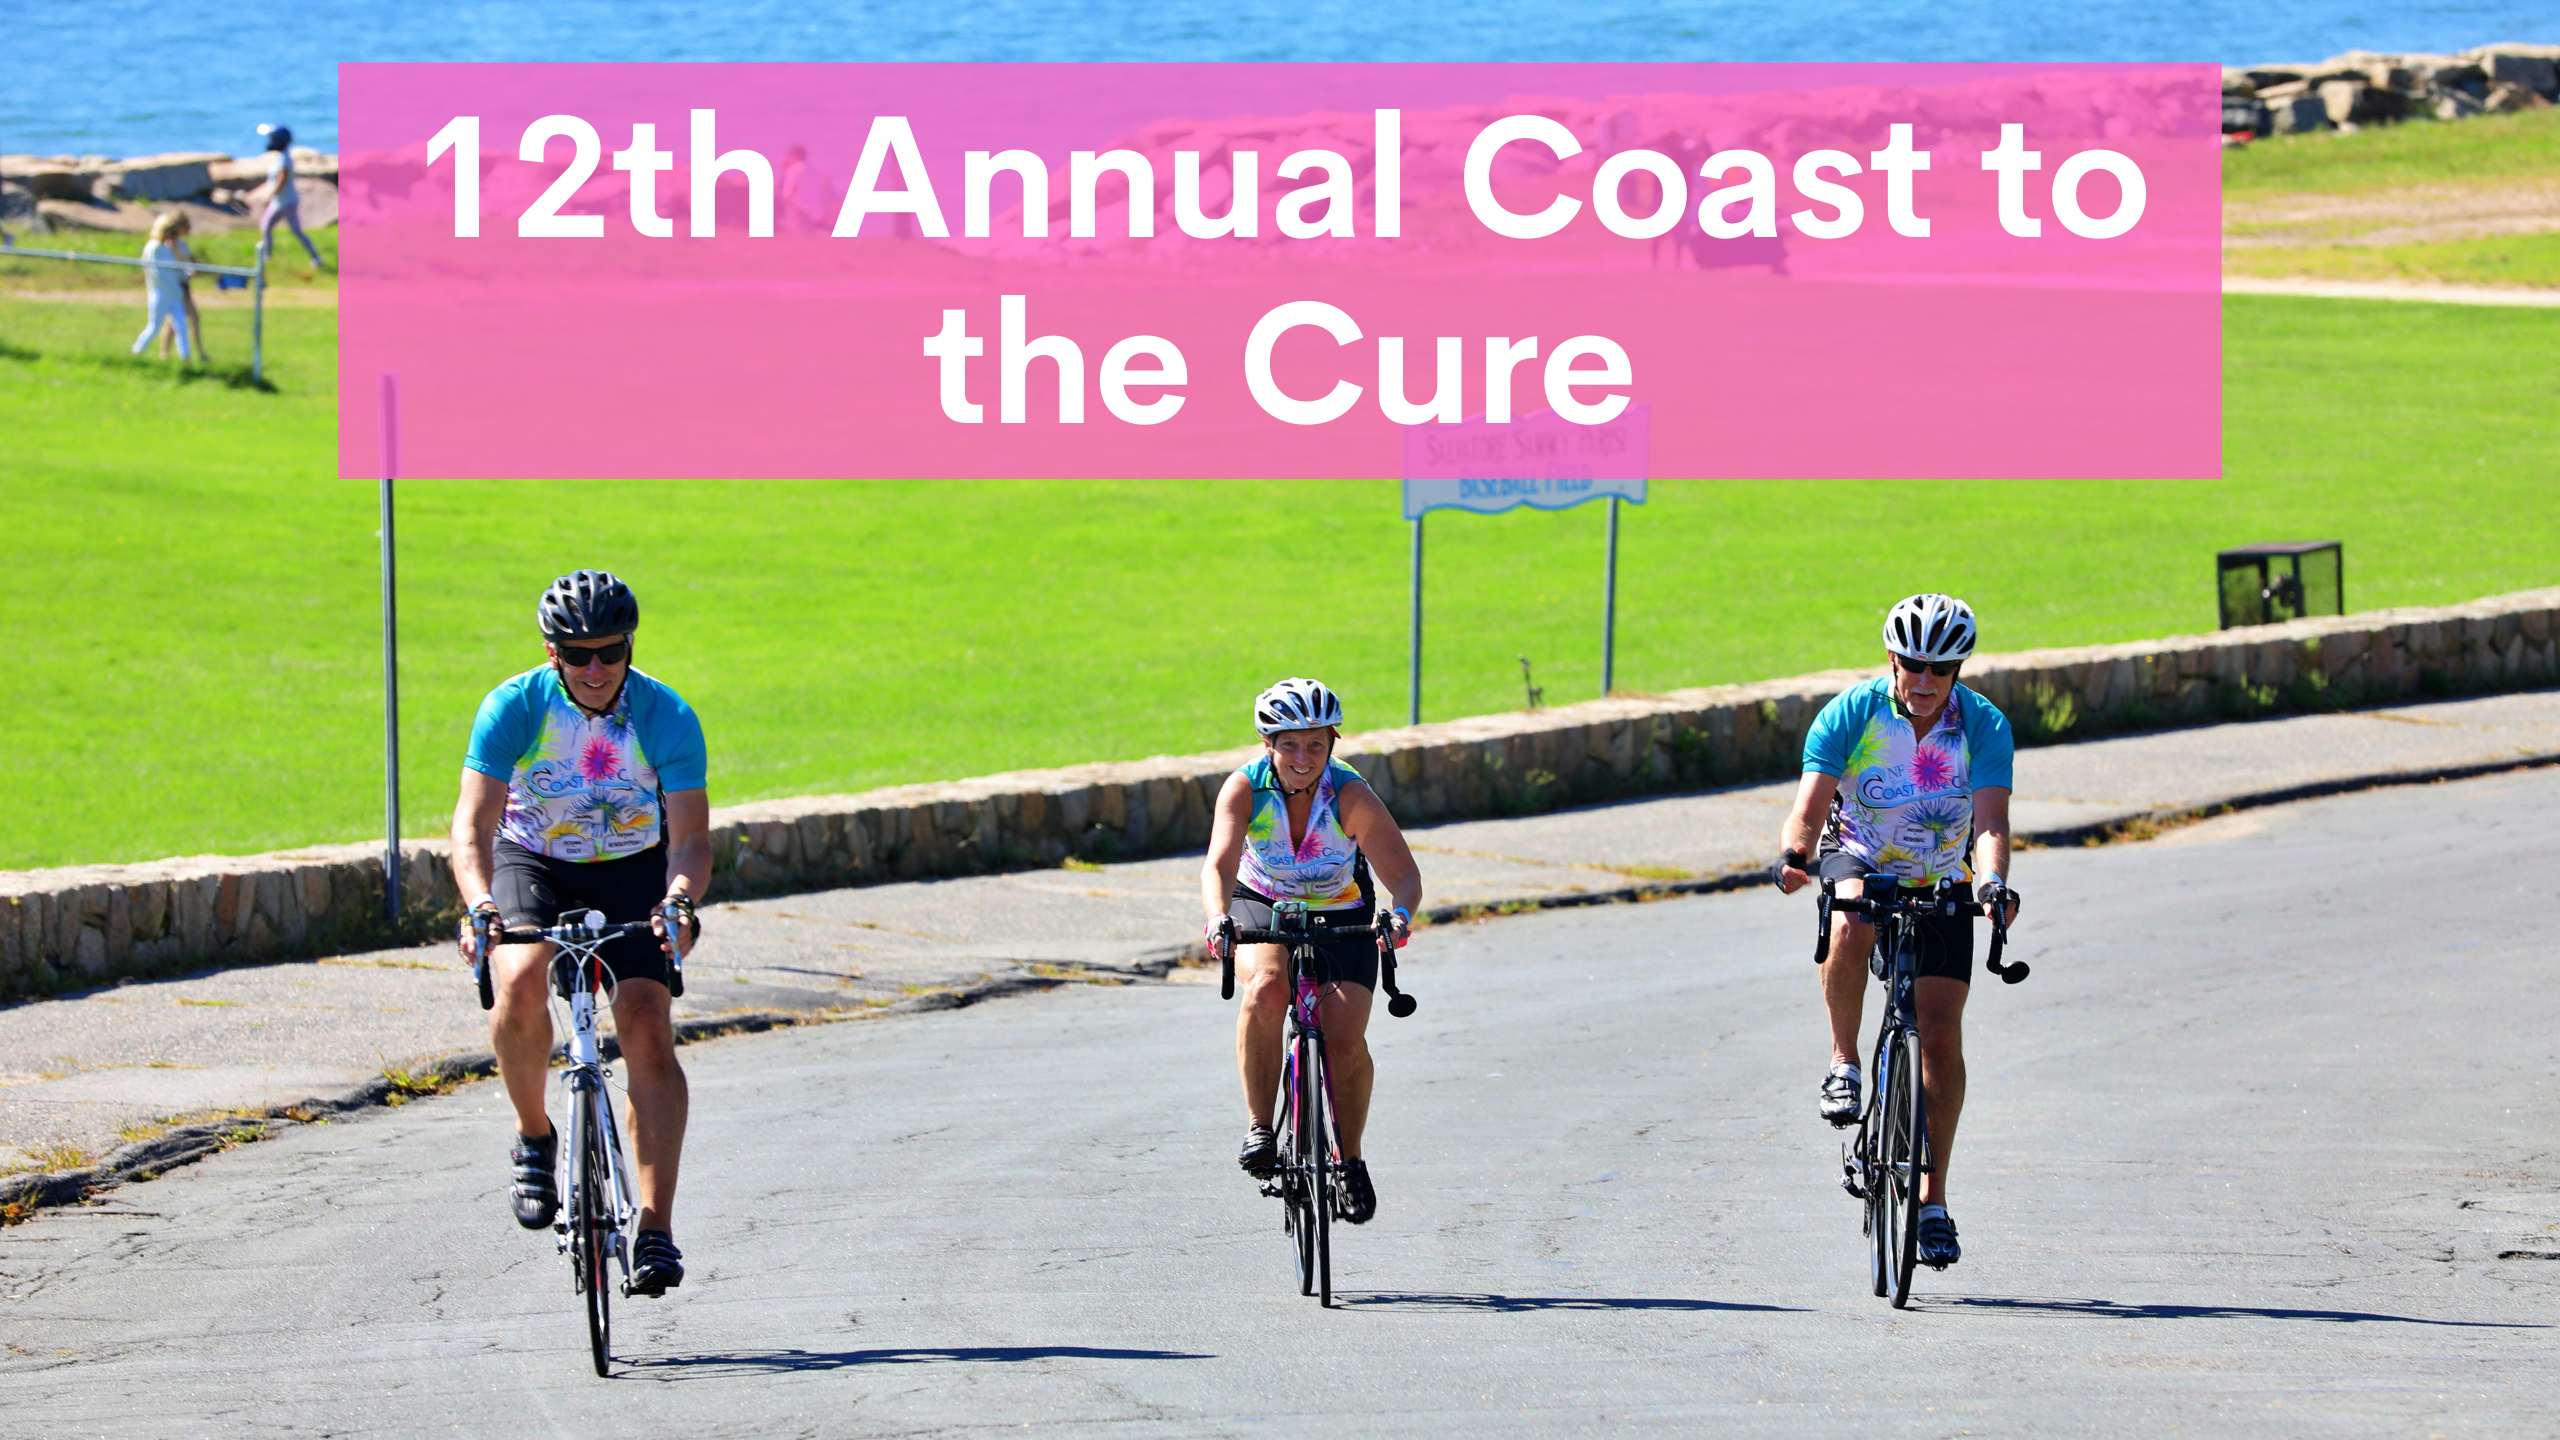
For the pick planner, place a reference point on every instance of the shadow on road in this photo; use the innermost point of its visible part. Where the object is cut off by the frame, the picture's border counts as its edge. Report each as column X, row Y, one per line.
column 2115, row 1310
column 1522, row 1304
column 757, row 1362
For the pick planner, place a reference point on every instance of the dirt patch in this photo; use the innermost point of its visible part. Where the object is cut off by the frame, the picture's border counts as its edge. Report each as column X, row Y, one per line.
column 2407, row 216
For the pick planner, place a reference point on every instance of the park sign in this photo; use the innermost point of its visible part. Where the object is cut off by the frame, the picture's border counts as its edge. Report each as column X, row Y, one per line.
column 1273, row 271
column 1544, row 460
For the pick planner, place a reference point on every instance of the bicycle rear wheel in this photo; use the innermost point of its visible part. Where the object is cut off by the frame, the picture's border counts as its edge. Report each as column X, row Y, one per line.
column 593, row 1222
column 1905, row 1158
column 1320, row 1173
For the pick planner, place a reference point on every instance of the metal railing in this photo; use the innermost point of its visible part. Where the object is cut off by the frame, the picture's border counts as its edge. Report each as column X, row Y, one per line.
column 256, row 275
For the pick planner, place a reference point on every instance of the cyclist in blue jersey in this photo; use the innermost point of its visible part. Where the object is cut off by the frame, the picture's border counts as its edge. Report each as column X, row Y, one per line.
column 584, row 789
column 1910, row 773
column 1297, row 824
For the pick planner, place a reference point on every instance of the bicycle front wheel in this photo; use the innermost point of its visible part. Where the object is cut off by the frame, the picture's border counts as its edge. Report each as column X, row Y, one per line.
column 593, row 1222
column 1294, row 1217
column 1905, row 1158
column 1320, row 1172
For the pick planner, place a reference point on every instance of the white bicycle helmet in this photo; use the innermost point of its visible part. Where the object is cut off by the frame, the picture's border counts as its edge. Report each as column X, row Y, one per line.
column 1296, row 704
column 1930, row 627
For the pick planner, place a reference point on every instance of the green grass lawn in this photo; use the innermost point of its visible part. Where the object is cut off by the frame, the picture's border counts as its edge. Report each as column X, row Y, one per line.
column 191, row 598
column 2523, row 146
column 2428, row 163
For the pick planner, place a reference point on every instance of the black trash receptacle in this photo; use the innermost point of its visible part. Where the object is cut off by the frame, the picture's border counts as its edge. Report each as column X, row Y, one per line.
column 2269, row 584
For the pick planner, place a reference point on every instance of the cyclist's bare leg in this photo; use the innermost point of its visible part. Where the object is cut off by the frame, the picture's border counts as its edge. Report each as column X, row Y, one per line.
column 1940, row 1002
column 660, row 1099
column 1265, row 1003
column 1844, row 979
column 520, row 1030
column 1344, row 1012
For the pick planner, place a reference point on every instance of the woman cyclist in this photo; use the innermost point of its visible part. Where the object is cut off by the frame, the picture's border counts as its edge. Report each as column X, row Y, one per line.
column 1297, row 824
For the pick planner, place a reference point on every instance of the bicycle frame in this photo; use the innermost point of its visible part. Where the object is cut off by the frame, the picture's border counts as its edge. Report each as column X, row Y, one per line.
column 577, row 973
column 1884, row 1163
column 599, row 1195
column 1307, row 1184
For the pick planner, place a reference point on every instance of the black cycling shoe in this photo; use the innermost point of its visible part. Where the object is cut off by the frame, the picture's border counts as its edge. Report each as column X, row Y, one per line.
column 1260, row 1157
column 1840, row 1095
column 1938, row 1247
column 1359, row 1197
column 657, row 1266
column 537, row 1188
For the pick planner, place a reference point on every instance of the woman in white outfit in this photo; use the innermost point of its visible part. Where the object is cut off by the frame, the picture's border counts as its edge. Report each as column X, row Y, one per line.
column 165, row 285
column 284, row 202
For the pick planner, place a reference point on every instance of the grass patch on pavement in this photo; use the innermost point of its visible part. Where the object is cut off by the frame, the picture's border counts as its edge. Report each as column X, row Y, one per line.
column 196, row 595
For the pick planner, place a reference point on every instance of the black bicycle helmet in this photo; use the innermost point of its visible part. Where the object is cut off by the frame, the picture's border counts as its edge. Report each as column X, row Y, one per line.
column 279, row 137
column 587, row 605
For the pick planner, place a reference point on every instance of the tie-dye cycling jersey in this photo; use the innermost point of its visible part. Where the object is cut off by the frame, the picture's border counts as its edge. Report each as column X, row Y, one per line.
column 580, row 786
column 1906, row 805
column 1324, row 868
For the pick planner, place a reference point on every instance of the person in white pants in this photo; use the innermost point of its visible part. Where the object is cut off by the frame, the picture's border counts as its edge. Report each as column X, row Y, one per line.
column 165, row 286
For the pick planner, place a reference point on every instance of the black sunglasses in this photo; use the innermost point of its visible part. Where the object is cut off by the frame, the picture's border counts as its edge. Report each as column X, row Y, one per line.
column 613, row 654
column 1914, row 667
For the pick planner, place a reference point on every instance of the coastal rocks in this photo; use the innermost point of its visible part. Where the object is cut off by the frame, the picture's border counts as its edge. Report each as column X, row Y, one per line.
column 62, row 928
column 95, row 192
column 2362, row 88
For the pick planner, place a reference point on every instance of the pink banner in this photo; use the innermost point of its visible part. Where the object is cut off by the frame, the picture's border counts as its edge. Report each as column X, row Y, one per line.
column 1270, row 271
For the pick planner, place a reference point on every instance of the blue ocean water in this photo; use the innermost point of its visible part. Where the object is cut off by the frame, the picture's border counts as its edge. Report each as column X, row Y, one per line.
column 130, row 77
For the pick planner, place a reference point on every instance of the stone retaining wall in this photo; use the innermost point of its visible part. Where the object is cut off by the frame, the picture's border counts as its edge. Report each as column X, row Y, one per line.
column 84, row 926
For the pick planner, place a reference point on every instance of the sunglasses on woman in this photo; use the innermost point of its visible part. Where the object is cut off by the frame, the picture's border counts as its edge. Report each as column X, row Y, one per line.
column 580, row 655
column 1909, row 666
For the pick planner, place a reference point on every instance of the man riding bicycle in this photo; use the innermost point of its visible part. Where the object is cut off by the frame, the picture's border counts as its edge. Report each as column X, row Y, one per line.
column 1910, row 774
column 584, row 789
column 1298, row 824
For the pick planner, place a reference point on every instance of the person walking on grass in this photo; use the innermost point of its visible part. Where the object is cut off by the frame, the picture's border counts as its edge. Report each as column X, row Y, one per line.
column 583, row 789
column 284, row 202
column 164, row 285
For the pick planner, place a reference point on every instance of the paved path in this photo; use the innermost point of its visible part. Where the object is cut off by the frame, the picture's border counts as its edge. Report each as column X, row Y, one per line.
column 2263, row 1149
column 2386, row 290
column 84, row 1075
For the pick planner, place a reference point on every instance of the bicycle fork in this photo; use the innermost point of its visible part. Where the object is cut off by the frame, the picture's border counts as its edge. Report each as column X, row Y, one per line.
column 591, row 1104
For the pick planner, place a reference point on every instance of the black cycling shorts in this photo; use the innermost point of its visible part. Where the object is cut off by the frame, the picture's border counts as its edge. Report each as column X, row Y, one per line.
column 1348, row 953
column 534, row 891
column 1946, row 947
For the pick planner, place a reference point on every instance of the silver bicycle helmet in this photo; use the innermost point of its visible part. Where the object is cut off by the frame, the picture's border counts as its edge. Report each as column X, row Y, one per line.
column 587, row 605
column 1296, row 704
column 1930, row 627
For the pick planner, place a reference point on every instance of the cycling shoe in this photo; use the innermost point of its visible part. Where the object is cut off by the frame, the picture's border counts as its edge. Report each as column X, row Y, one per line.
column 1260, row 1157
column 1359, row 1197
column 1840, row 1095
column 1938, row 1247
column 537, row 1190
column 657, row 1266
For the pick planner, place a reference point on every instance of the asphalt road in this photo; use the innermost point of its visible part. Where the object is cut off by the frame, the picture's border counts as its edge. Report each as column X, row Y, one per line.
column 2265, row 1147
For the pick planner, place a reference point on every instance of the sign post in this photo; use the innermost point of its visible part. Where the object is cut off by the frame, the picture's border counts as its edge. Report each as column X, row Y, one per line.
column 1413, row 682
column 1545, row 461
column 390, row 652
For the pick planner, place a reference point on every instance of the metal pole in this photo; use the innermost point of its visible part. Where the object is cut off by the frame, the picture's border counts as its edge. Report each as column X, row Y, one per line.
column 1413, row 685
column 1609, row 609
column 390, row 651
column 258, row 322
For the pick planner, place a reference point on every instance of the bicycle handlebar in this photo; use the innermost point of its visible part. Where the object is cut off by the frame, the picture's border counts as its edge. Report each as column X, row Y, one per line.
column 1399, row 1004
column 1922, row 903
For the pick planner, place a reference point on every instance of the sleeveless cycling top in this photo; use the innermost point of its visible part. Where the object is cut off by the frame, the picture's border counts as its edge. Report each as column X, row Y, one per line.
column 1323, row 869
column 579, row 786
column 1905, row 804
